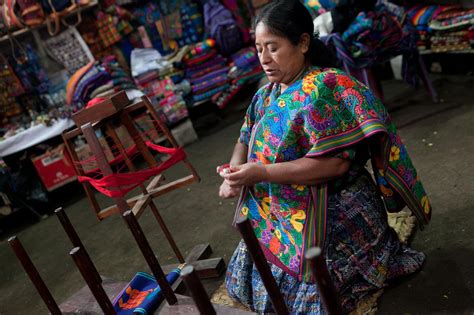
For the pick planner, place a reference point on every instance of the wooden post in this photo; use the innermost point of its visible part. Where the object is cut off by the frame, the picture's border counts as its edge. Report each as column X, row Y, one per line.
column 96, row 148
column 86, row 270
column 253, row 246
column 74, row 238
column 194, row 285
column 329, row 295
column 150, row 257
column 34, row 276
column 67, row 136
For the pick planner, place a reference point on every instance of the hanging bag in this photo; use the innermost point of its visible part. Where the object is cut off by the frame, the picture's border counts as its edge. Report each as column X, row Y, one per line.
column 9, row 10
column 222, row 26
column 31, row 12
column 57, row 9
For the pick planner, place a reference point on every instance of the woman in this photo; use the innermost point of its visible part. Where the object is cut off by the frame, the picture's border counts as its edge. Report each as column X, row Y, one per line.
column 300, row 163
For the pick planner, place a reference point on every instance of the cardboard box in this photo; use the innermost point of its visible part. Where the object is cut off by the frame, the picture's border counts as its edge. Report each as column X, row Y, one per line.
column 86, row 157
column 54, row 168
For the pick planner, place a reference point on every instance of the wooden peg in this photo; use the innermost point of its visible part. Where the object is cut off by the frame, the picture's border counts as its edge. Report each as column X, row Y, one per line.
column 34, row 275
column 150, row 257
column 253, row 246
column 86, row 270
column 329, row 295
column 194, row 285
column 74, row 238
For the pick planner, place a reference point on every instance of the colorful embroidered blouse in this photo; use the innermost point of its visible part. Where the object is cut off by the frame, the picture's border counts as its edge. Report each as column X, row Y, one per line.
column 325, row 113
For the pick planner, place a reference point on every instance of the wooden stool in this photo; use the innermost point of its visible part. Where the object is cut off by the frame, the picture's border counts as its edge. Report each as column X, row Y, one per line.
column 329, row 295
column 118, row 111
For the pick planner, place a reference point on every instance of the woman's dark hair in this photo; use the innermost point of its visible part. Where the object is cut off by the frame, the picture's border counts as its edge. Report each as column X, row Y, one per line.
column 291, row 19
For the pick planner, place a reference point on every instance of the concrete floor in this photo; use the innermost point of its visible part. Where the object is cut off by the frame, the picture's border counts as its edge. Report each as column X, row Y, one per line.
column 439, row 137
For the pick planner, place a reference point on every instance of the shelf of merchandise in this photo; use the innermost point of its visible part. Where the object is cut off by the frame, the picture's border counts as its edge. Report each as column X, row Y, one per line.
column 464, row 51
column 29, row 29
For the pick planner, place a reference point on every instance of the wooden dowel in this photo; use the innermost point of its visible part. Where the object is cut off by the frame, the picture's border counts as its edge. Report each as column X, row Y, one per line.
column 80, row 171
column 253, row 246
column 77, row 254
column 329, row 295
column 74, row 238
column 150, row 257
column 166, row 231
column 194, row 285
column 96, row 148
column 34, row 276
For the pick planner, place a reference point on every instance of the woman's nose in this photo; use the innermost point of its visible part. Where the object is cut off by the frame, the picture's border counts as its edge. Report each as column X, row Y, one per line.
column 265, row 57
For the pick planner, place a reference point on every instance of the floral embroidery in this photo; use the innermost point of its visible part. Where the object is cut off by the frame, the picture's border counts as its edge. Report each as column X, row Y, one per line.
column 394, row 154
column 300, row 216
column 313, row 117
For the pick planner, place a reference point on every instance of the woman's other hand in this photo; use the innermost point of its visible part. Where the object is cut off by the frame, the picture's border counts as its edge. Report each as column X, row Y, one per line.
column 227, row 192
column 246, row 174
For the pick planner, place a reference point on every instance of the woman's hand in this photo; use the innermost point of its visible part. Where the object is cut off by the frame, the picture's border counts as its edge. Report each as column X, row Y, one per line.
column 246, row 174
column 226, row 192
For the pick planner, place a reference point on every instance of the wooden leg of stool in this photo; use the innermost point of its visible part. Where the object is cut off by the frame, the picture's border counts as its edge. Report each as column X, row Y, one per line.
column 194, row 285
column 167, row 233
column 253, row 246
column 87, row 272
column 426, row 79
column 329, row 295
column 150, row 257
column 74, row 238
column 34, row 276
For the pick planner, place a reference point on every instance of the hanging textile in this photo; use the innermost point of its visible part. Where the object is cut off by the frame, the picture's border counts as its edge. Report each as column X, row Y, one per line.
column 10, row 86
column 26, row 65
column 69, row 49
column 108, row 31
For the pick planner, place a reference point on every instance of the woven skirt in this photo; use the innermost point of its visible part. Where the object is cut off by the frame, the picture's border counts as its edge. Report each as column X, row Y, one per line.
column 362, row 252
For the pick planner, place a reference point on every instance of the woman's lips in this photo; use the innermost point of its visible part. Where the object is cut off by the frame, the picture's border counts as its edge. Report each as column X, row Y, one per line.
column 270, row 71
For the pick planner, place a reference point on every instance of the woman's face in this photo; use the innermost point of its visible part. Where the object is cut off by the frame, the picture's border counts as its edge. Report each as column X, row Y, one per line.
column 281, row 60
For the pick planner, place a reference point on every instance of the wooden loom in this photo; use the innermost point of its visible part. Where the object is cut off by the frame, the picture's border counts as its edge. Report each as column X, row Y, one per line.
column 109, row 115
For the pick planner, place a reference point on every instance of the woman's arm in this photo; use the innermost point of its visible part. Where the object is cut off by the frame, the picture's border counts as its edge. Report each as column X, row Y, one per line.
column 239, row 155
column 303, row 171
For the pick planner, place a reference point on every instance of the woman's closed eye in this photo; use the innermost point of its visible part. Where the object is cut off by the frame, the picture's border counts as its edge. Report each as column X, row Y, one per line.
column 272, row 49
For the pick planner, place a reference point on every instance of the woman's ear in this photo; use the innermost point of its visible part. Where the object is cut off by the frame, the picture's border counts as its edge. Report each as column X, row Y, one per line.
column 305, row 40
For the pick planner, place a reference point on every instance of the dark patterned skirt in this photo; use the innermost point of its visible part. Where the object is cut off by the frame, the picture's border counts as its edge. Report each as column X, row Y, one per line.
column 362, row 254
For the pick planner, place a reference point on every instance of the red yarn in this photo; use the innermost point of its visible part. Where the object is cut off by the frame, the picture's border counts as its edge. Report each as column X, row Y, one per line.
column 95, row 101
column 118, row 185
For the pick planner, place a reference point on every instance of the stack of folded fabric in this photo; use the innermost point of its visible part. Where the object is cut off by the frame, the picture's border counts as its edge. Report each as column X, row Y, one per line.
column 206, row 70
column 453, row 30
column 166, row 100
column 97, row 80
column 421, row 16
column 244, row 69
column 153, row 74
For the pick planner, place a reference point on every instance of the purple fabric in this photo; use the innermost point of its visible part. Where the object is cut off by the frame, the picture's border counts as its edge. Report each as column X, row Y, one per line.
column 210, row 76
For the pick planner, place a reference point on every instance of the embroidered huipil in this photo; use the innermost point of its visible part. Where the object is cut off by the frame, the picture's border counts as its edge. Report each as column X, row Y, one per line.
column 319, row 115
